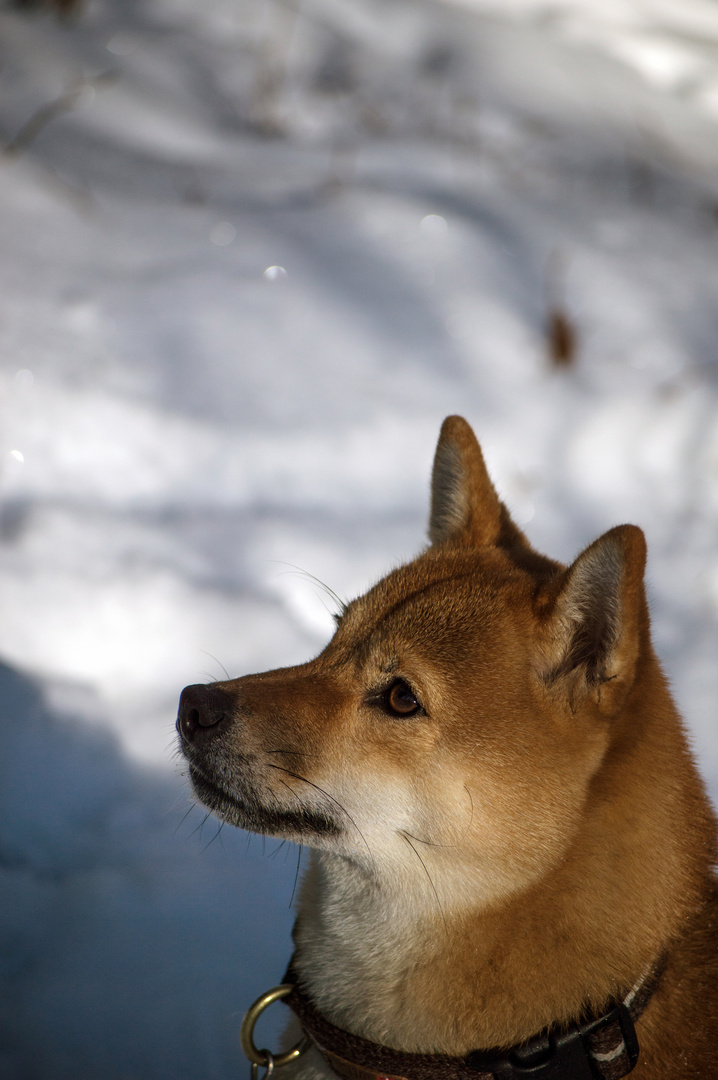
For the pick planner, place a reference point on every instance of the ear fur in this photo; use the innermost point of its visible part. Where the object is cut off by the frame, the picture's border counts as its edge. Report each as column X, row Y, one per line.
column 463, row 499
column 594, row 630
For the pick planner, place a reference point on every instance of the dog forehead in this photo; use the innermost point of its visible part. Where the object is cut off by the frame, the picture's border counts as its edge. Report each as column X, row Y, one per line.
column 431, row 602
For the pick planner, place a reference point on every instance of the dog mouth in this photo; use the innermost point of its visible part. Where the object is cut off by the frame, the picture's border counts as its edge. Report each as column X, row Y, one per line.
column 249, row 813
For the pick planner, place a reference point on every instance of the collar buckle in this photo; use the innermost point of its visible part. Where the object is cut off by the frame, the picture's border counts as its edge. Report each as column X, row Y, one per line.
column 566, row 1055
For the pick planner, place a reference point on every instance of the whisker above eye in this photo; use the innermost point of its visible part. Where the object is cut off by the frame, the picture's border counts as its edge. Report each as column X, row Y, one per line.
column 341, row 604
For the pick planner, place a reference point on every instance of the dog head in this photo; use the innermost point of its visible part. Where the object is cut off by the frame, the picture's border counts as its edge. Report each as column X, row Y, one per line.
column 459, row 714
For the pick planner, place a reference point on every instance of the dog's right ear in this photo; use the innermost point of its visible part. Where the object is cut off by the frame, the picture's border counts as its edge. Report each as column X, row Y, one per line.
column 464, row 503
column 598, row 620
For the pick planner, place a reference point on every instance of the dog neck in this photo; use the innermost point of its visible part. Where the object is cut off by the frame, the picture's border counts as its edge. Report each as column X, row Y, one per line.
column 604, row 1046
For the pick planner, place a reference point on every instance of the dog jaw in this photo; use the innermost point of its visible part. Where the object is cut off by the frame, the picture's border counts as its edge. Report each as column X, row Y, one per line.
column 246, row 811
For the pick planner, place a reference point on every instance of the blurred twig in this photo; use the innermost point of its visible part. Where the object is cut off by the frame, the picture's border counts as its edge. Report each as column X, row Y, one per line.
column 562, row 341
column 39, row 120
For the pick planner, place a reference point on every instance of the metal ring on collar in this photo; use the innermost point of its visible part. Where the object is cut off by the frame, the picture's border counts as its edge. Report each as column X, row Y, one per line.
column 246, row 1032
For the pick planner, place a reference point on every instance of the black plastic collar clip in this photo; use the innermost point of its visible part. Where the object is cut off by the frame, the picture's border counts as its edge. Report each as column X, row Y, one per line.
column 560, row 1055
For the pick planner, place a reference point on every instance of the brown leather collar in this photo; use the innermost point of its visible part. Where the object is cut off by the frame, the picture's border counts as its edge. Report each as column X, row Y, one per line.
column 599, row 1048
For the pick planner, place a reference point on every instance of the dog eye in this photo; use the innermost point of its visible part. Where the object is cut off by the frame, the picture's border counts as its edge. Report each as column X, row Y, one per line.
column 399, row 699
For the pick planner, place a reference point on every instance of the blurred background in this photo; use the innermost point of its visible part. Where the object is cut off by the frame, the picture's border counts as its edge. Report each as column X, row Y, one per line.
column 251, row 253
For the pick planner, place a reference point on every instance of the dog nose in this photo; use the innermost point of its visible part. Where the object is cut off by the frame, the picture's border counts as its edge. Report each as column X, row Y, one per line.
column 200, row 706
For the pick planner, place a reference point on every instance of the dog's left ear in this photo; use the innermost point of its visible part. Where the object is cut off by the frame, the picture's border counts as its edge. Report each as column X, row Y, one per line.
column 592, row 637
column 464, row 503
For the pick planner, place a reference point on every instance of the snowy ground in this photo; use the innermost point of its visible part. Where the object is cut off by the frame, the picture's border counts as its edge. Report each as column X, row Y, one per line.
column 251, row 254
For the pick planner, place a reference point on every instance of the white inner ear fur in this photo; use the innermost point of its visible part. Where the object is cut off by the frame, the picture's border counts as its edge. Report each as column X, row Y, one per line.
column 595, row 583
column 588, row 617
column 449, row 499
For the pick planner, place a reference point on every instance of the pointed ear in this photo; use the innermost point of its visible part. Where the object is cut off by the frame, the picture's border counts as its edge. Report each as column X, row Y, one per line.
column 594, row 630
column 463, row 499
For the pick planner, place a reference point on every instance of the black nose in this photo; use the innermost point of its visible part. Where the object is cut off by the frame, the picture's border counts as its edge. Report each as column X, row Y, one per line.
column 200, row 707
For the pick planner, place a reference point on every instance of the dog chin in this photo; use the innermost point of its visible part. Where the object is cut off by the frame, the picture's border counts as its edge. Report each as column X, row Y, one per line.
column 249, row 814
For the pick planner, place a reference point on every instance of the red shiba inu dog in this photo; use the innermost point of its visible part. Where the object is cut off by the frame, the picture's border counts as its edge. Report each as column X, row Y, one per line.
column 513, row 853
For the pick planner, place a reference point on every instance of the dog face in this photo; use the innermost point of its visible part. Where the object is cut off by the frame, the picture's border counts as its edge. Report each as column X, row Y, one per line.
column 458, row 715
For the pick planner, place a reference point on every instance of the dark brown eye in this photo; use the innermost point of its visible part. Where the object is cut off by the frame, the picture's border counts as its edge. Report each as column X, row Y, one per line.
column 399, row 699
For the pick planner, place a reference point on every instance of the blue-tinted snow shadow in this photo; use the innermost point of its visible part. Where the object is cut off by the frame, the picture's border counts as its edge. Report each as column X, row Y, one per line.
column 129, row 944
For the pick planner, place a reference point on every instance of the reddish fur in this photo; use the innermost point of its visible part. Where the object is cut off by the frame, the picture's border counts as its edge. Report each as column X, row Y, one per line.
column 593, row 829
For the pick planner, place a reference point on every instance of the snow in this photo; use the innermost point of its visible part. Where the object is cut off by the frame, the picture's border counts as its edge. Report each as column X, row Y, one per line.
column 251, row 254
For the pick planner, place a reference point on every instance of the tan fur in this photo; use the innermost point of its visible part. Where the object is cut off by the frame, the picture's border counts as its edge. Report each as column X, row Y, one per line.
column 525, row 846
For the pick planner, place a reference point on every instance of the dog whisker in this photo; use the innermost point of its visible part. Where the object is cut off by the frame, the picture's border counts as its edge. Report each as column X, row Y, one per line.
column 471, row 816
column 184, row 817
column 302, row 806
column 343, row 809
column 216, row 835
column 342, row 605
column 218, row 663
column 405, row 836
column 179, row 799
column 291, row 790
column 202, row 824
column 289, row 753
column 445, row 847
column 296, row 875
column 428, row 843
